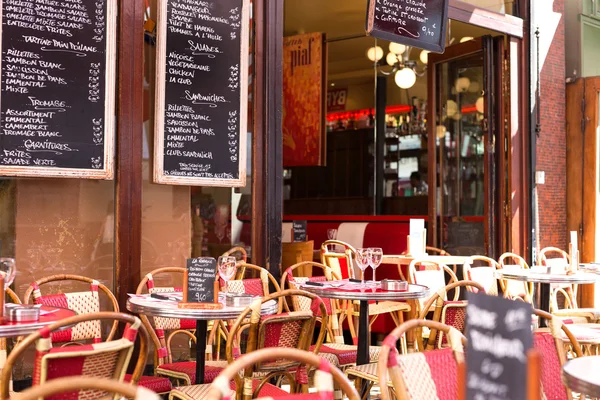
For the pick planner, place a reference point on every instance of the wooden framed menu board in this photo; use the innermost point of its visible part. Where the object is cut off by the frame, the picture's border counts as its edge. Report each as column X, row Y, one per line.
column 202, row 92
column 418, row 23
column 57, row 99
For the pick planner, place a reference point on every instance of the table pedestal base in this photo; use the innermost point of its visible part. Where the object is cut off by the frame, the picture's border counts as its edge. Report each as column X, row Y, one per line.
column 364, row 342
column 201, row 328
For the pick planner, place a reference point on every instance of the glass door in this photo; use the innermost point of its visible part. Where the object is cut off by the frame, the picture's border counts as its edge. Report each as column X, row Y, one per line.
column 465, row 151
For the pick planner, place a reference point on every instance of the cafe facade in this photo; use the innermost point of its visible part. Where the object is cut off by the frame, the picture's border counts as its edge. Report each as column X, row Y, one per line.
column 138, row 197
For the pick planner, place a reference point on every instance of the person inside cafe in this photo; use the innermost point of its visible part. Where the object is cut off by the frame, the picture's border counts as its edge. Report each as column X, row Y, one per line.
column 418, row 185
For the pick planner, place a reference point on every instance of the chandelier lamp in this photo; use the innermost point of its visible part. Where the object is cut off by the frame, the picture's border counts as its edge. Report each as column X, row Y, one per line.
column 404, row 69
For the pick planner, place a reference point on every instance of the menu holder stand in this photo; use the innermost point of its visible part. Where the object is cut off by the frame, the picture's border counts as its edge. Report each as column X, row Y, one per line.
column 419, row 243
column 216, row 305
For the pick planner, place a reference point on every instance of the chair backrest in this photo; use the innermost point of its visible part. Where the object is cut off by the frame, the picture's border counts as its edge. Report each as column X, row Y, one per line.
column 421, row 375
column 325, row 375
column 434, row 250
column 484, row 275
column 551, row 346
column 289, row 330
column 163, row 329
column 238, row 252
column 341, row 263
column 514, row 289
column 66, row 386
column 3, row 347
column 302, row 303
column 451, row 313
column 553, row 253
column 254, row 286
column 81, row 302
column 431, row 274
column 103, row 360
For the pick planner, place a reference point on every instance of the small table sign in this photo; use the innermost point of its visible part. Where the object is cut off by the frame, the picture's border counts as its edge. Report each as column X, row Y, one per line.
column 299, row 230
column 200, row 286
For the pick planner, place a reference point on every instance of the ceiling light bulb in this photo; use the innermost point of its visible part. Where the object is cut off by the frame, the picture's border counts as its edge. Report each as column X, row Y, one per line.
column 391, row 59
column 474, row 87
column 405, row 78
column 466, row 39
column 397, row 48
column 451, row 108
column 440, row 131
column 480, row 105
column 375, row 53
column 462, row 84
column 457, row 116
column 424, row 56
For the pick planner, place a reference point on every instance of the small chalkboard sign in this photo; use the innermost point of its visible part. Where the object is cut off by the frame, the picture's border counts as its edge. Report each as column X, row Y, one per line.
column 201, row 276
column 299, row 228
column 57, row 100
column 418, row 23
column 499, row 337
column 202, row 92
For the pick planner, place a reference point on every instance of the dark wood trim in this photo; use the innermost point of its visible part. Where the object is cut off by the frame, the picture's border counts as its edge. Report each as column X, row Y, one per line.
column 491, row 97
column 128, row 212
column 432, row 224
column 503, row 98
column 267, row 168
column 471, row 14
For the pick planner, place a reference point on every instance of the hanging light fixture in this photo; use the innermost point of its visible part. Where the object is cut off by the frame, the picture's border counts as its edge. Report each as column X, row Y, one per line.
column 375, row 53
column 474, row 87
column 440, row 131
column 405, row 78
column 462, row 84
column 480, row 105
column 451, row 108
column 424, row 56
column 404, row 69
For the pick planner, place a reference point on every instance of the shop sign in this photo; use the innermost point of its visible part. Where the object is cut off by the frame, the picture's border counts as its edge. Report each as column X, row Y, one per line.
column 417, row 23
column 336, row 100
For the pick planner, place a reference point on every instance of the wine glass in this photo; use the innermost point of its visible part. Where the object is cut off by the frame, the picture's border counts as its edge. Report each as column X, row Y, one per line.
column 332, row 234
column 8, row 270
column 362, row 260
column 375, row 257
column 226, row 266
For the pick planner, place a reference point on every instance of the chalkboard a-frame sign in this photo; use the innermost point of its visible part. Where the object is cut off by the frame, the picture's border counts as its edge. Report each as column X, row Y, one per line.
column 418, row 23
column 202, row 92
column 57, row 99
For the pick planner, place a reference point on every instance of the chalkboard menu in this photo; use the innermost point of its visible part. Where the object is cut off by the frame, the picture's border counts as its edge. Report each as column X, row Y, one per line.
column 499, row 336
column 57, row 99
column 418, row 23
column 201, row 275
column 299, row 228
column 202, row 92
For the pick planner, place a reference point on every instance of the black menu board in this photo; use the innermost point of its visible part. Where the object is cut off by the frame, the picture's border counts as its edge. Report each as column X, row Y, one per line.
column 202, row 92
column 299, row 228
column 499, row 336
column 57, row 100
column 418, row 23
column 202, row 273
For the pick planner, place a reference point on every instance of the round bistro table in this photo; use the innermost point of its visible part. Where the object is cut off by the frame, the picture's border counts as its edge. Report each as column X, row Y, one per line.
column 581, row 375
column 543, row 280
column 143, row 304
column 346, row 290
column 48, row 315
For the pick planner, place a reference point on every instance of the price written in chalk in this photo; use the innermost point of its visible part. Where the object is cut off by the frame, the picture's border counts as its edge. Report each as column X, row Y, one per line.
column 417, row 23
column 201, row 273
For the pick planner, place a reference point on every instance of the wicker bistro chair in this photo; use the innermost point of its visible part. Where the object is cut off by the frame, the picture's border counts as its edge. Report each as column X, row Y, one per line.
column 451, row 313
column 571, row 308
column 65, row 387
column 431, row 274
column 339, row 262
column 288, row 330
column 81, row 302
column 484, row 275
column 325, row 376
column 427, row 375
column 334, row 350
column 164, row 330
column 515, row 290
column 3, row 342
column 99, row 360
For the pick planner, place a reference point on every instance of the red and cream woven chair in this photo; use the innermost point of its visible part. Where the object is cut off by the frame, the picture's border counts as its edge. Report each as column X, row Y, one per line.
column 343, row 265
column 166, row 329
column 67, row 388
column 550, row 343
column 512, row 289
column 428, row 375
column 334, row 350
column 108, row 359
column 12, row 296
column 286, row 330
column 84, row 302
column 326, row 376
column 484, row 274
column 555, row 257
column 431, row 274
column 451, row 313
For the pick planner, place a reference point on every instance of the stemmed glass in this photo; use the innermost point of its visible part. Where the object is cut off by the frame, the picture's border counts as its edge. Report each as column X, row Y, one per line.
column 362, row 260
column 8, row 270
column 331, row 234
column 226, row 265
column 375, row 257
